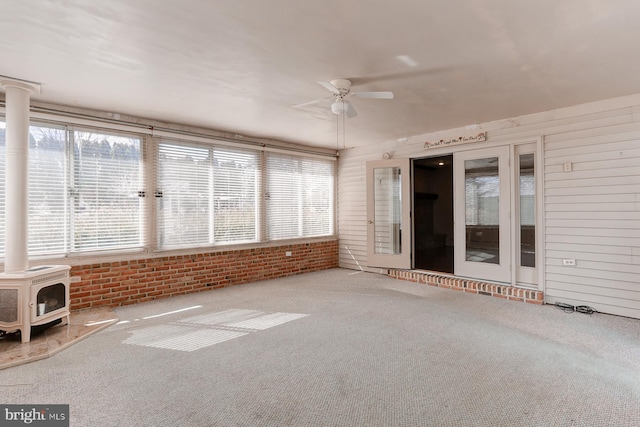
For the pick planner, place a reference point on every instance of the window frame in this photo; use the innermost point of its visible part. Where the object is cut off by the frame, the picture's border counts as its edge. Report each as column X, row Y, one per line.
column 211, row 149
column 148, row 217
column 302, row 174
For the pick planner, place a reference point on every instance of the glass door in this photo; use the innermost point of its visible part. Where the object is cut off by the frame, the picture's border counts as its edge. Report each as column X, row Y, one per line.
column 525, row 214
column 482, row 213
column 388, row 214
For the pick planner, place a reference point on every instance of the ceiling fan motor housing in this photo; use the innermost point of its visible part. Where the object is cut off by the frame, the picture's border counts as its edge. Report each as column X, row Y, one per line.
column 343, row 86
column 341, row 89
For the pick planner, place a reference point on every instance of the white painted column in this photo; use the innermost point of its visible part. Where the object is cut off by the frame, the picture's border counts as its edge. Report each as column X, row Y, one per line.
column 17, row 94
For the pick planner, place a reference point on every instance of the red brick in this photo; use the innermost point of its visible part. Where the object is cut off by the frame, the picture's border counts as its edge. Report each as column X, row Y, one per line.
column 125, row 282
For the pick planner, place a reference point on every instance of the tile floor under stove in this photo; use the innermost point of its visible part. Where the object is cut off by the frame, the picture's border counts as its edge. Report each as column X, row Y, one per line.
column 54, row 339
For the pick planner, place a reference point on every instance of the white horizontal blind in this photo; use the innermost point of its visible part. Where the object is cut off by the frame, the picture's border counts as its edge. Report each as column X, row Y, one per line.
column 183, row 195
column 48, row 204
column 106, row 191
column 3, row 150
column 86, row 193
column 208, row 194
column 235, row 186
column 299, row 196
column 283, row 197
column 318, row 197
column 482, row 199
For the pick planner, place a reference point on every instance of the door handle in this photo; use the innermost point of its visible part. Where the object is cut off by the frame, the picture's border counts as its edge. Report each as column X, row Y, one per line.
column 370, row 222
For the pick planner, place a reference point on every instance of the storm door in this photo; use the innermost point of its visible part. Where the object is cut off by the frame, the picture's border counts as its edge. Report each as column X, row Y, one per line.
column 388, row 214
column 482, row 214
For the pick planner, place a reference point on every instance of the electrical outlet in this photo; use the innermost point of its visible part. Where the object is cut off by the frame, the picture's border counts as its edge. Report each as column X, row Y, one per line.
column 288, row 253
column 569, row 262
column 567, row 166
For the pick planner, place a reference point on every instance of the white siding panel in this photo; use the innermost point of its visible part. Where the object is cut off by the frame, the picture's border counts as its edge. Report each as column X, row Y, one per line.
column 600, row 135
column 581, row 153
column 595, row 223
column 571, row 209
column 564, row 250
column 595, row 290
column 628, row 189
column 592, row 216
column 606, row 213
column 624, row 155
column 568, row 124
column 597, row 232
column 604, row 183
column 593, row 198
column 601, row 270
column 352, row 214
column 591, row 256
column 594, row 241
column 591, row 171
column 590, row 281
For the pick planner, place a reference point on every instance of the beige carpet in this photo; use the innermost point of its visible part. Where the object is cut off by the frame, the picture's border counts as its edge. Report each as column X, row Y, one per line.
column 342, row 348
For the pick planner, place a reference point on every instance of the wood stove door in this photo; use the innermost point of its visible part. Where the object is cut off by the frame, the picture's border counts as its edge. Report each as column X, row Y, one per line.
column 49, row 302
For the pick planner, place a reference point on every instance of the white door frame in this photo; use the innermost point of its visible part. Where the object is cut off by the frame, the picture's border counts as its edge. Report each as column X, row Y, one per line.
column 500, row 271
column 534, row 278
column 401, row 258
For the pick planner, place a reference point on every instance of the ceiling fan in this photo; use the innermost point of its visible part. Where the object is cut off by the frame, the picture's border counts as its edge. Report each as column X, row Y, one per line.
column 341, row 90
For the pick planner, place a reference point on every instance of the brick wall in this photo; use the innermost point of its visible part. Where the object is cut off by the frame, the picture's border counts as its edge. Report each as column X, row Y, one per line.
column 129, row 282
column 470, row 286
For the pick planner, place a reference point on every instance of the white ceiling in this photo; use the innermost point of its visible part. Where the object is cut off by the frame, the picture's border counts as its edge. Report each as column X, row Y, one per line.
column 240, row 66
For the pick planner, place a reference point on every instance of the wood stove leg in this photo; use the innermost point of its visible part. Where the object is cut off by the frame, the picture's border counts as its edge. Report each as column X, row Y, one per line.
column 25, row 333
column 25, row 329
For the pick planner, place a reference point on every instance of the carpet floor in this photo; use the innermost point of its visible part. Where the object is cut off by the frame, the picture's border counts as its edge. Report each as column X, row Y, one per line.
column 342, row 348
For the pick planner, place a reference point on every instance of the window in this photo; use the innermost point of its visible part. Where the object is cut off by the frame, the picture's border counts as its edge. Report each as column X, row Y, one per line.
column 527, row 207
column 208, row 195
column 3, row 150
column 47, row 189
column 235, row 186
column 48, row 183
column 84, row 191
column 482, row 210
column 87, row 193
column 106, row 189
column 299, row 196
column 482, row 187
column 183, row 195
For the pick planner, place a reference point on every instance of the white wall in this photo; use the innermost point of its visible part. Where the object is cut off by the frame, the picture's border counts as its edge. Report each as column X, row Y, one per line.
column 591, row 214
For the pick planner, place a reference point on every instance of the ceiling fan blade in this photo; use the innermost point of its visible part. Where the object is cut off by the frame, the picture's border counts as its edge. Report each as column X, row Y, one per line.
column 350, row 111
column 328, row 86
column 374, row 95
column 317, row 101
column 419, row 73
